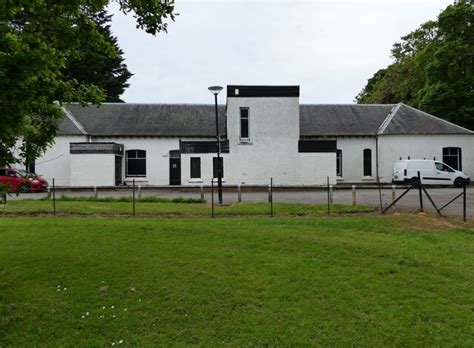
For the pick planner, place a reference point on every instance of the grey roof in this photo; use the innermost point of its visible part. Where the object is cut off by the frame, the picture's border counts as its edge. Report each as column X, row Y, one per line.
column 119, row 119
column 371, row 119
column 331, row 120
column 408, row 120
column 191, row 120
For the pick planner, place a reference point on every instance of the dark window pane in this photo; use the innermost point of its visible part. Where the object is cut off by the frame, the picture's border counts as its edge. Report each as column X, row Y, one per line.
column 136, row 163
column 195, row 167
column 244, row 128
column 339, row 162
column 452, row 157
column 367, row 162
column 215, row 168
column 244, row 113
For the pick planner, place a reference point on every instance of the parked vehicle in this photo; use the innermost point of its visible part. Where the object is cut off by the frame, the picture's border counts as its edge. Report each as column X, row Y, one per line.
column 431, row 173
column 23, row 181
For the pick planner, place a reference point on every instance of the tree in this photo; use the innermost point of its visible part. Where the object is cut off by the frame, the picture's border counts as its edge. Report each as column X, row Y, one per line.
column 432, row 69
column 38, row 38
column 101, row 66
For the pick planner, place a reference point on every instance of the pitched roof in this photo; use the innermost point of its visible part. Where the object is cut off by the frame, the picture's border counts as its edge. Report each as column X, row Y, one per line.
column 119, row 119
column 371, row 119
column 191, row 120
column 332, row 120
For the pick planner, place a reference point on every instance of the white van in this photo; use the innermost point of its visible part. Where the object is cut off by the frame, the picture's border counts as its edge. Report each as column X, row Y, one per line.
column 431, row 172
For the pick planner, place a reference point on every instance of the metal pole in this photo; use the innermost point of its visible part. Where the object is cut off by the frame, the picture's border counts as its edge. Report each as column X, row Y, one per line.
column 419, row 191
column 95, row 191
column 271, row 197
column 202, row 192
column 329, row 208
column 219, row 169
column 212, row 197
column 354, row 197
column 464, row 202
column 133, row 196
column 239, row 193
column 54, row 198
column 331, row 194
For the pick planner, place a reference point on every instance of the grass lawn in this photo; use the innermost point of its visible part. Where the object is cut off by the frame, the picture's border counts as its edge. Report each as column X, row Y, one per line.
column 362, row 280
column 145, row 207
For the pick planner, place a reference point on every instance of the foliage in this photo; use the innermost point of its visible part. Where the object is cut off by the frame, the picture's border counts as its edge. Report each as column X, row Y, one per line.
column 358, row 281
column 433, row 69
column 37, row 40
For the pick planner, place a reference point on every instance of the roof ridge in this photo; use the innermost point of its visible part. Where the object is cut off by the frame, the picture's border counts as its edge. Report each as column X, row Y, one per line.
column 388, row 119
column 74, row 120
column 437, row 118
column 355, row 104
column 125, row 104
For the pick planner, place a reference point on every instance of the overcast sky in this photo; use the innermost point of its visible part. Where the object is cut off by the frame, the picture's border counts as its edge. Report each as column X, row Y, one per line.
column 330, row 48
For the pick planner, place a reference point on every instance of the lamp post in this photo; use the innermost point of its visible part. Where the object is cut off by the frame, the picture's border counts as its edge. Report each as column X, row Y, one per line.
column 216, row 90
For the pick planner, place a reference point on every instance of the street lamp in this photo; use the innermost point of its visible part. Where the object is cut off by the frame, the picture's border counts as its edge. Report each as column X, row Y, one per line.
column 216, row 90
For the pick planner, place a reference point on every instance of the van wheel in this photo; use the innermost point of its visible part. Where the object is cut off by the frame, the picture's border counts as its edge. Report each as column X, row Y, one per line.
column 413, row 181
column 459, row 182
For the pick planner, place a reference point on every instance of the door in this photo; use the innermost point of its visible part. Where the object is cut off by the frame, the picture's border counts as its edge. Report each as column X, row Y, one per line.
column 175, row 171
column 444, row 174
column 118, row 170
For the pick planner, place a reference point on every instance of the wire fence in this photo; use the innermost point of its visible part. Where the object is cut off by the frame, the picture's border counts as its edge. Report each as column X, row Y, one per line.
column 328, row 199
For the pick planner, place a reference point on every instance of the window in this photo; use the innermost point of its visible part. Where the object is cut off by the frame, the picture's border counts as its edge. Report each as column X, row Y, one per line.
column 339, row 162
column 367, row 162
column 214, row 166
column 136, row 163
column 244, row 123
column 443, row 167
column 452, row 157
column 195, row 167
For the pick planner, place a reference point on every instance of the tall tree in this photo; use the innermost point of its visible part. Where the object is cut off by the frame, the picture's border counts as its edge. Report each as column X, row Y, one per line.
column 37, row 40
column 432, row 69
column 102, row 66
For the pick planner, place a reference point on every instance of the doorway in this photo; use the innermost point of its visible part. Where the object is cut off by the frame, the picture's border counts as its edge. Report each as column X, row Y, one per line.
column 175, row 167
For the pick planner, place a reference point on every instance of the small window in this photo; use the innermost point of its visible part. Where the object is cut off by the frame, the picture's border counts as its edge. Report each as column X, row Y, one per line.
column 367, row 162
column 135, row 163
column 339, row 162
column 215, row 167
column 244, row 123
column 195, row 167
column 452, row 157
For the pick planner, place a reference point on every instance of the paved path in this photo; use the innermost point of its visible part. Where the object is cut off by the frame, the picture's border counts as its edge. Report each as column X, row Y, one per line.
column 369, row 197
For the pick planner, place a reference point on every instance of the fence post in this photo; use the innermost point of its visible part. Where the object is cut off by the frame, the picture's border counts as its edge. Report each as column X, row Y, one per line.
column 331, row 194
column 202, row 191
column 239, row 194
column 54, row 198
column 270, row 192
column 394, row 195
column 419, row 190
column 139, row 191
column 464, row 202
column 212, row 198
column 354, row 195
column 95, row 192
column 329, row 205
column 133, row 196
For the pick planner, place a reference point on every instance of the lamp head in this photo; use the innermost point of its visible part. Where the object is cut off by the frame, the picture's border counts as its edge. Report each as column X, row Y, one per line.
column 215, row 89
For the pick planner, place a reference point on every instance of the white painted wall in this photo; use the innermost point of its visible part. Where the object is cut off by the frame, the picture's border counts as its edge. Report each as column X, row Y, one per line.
column 392, row 147
column 55, row 162
column 92, row 169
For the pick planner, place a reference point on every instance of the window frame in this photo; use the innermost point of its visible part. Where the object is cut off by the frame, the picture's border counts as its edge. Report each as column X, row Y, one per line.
column 247, row 138
column 128, row 158
column 192, row 175
column 447, row 153
column 339, row 163
column 367, row 162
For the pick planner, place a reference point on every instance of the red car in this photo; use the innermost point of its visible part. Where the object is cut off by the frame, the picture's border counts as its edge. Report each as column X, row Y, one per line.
column 21, row 180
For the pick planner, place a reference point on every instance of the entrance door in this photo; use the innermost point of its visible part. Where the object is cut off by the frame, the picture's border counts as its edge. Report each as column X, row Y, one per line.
column 175, row 167
column 118, row 170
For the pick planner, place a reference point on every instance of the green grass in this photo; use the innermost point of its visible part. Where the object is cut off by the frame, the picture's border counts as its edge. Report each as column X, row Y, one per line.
column 365, row 281
column 182, row 208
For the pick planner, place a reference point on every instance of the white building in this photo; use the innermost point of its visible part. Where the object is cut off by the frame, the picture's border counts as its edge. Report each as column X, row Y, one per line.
column 265, row 133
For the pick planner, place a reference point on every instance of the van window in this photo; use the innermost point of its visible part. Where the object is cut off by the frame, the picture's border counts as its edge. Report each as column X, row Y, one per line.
column 443, row 167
